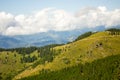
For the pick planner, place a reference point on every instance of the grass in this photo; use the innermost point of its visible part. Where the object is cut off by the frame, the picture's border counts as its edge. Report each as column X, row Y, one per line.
column 10, row 64
column 96, row 46
column 107, row 68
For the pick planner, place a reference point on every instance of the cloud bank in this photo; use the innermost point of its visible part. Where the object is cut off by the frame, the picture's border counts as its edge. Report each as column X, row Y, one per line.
column 58, row 20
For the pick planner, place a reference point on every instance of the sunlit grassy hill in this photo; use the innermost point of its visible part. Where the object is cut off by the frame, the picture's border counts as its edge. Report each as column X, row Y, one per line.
column 96, row 46
column 10, row 64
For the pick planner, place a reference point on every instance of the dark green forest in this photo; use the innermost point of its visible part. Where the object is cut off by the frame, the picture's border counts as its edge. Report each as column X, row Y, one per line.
column 101, row 69
column 87, row 34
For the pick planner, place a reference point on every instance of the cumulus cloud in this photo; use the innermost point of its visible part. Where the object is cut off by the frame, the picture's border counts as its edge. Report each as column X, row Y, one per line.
column 58, row 20
column 5, row 21
column 94, row 17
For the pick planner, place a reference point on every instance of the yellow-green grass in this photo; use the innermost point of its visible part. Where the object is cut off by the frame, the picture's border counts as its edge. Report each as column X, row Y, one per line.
column 10, row 63
column 96, row 46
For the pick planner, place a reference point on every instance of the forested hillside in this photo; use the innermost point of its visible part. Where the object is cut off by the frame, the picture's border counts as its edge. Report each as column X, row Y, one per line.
column 102, row 69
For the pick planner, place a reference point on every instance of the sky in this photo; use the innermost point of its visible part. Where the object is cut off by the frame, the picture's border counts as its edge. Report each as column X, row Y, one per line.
column 20, row 17
column 28, row 6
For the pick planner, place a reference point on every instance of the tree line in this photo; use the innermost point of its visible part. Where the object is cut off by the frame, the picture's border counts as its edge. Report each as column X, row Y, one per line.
column 113, row 31
column 46, row 54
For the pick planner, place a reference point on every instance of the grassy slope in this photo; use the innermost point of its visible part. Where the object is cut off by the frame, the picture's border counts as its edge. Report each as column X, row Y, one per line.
column 107, row 68
column 82, row 51
column 10, row 64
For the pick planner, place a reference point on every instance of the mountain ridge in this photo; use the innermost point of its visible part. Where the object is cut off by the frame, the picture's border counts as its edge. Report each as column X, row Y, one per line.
column 44, row 38
column 38, row 39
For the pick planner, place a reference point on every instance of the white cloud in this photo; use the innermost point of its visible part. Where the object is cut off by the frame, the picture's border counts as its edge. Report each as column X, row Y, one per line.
column 93, row 17
column 5, row 21
column 58, row 20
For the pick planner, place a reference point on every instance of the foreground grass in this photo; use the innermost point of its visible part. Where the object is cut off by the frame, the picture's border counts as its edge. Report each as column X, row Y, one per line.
column 102, row 69
column 10, row 64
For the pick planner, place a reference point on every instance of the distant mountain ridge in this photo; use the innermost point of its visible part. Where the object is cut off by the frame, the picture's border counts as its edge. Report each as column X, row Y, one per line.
column 44, row 38
column 38, row 39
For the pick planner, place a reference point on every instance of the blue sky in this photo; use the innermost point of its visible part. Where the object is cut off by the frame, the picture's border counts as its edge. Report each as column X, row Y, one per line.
column 28, row 6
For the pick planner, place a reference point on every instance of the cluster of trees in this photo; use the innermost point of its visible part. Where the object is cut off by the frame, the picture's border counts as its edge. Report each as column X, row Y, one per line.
column 28, row 59
column 3, row 49
column 114, row 31
column 87, row 34
column 102, row 69
column 28, row 50
column 22, row 50
column 47, row 53
column 25, row 50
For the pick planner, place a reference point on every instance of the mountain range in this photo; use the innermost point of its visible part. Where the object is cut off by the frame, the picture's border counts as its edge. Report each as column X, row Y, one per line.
column 43, row 38
column 38, row 39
